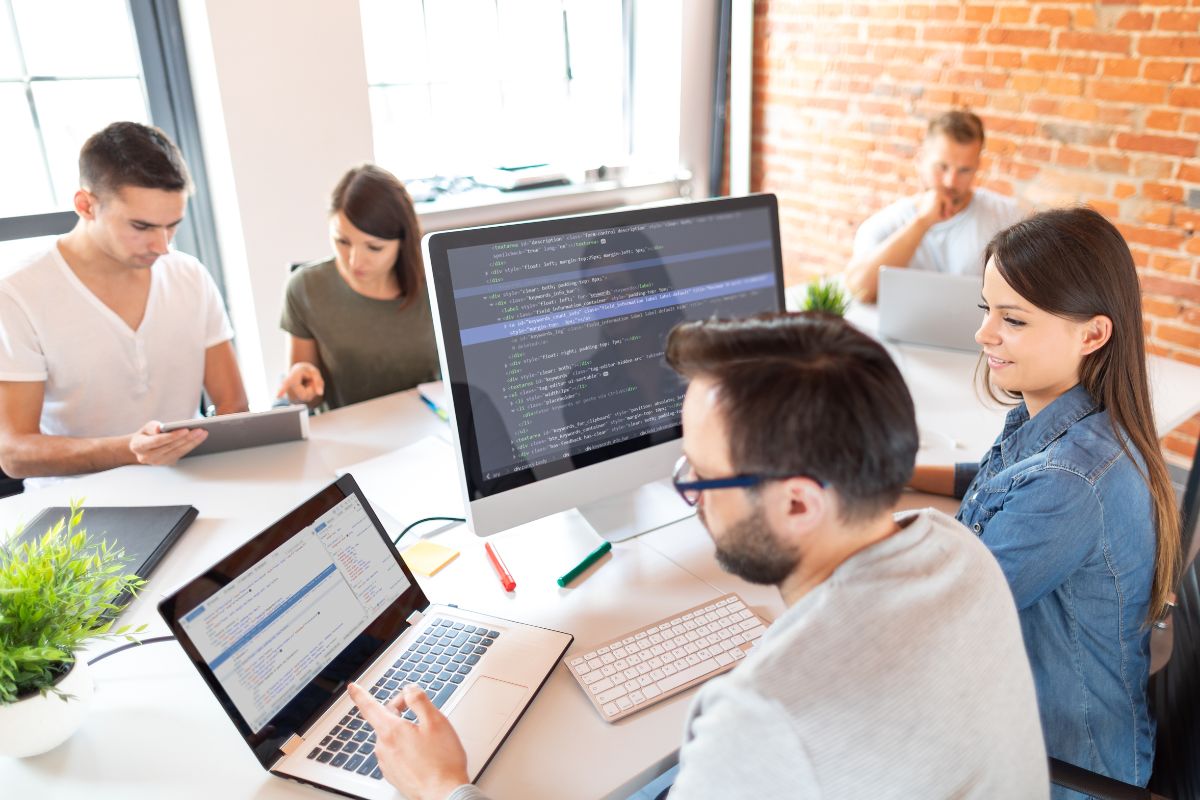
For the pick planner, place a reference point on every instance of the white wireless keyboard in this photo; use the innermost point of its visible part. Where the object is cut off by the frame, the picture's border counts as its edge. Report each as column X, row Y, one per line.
column 661, row 660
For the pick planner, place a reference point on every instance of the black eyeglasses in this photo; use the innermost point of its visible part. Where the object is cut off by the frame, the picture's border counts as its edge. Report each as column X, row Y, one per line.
column 690, row 490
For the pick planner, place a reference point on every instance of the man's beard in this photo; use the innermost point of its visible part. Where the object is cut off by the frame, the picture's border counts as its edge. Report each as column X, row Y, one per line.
column 750, row 551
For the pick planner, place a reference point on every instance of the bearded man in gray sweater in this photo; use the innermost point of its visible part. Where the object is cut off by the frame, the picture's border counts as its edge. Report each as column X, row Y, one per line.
column 897, row 670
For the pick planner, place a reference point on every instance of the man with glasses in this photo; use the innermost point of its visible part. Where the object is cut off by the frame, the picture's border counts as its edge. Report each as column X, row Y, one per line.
column 898, row 669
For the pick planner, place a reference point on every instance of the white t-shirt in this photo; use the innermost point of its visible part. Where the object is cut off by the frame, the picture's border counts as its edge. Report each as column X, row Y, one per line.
column 103, row 378
column 954, row 245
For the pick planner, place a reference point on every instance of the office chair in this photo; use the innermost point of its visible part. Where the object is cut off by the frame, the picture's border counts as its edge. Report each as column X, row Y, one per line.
column 1174, row 694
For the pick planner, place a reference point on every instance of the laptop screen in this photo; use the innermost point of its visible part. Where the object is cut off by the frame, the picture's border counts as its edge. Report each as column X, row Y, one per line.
column 279, row 626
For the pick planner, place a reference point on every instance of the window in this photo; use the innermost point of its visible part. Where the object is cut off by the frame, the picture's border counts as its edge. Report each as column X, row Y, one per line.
column 67, row 69
column 474, row 84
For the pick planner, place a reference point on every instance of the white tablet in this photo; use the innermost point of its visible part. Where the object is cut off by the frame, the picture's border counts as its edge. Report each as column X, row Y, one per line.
column 247, row 429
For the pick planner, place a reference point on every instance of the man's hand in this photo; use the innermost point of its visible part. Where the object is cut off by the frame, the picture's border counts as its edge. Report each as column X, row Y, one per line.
column 303, row 384
column 936, row 206
column 425, row 761
column 151, row 446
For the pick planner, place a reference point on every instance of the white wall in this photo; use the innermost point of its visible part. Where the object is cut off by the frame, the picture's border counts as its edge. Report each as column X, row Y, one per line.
column 281, row 92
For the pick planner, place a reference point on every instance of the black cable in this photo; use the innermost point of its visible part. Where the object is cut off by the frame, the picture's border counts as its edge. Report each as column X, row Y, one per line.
column 139, row 643
column 426, row 519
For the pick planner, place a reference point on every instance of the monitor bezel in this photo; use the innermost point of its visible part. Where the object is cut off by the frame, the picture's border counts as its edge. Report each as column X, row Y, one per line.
column 477, row 491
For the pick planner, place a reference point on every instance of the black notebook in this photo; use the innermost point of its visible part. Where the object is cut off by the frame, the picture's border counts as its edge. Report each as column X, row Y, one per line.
column 145, row 533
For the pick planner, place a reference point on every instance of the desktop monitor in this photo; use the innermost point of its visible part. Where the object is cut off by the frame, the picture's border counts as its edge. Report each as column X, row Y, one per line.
column 551, row 336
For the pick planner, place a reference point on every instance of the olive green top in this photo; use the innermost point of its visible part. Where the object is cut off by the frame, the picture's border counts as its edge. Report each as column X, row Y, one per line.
column 368, row 347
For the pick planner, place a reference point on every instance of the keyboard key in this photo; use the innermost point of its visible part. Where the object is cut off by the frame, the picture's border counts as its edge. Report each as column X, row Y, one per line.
column 689, row 674
column 316, row 751
column 472, row 659
column 325, row 757
column 490, row 641
column 369, row 763
column 458, row 626
column 350, row 747
column 326, row 740
column 355, row 724
column 339, row 759
column 442, row 696
column 457, row 678
column 480, row 650
column 611, row 709
column 377, row 774
column 335, row 745
column 361, row 736
column 344, row 734
column 353, row 763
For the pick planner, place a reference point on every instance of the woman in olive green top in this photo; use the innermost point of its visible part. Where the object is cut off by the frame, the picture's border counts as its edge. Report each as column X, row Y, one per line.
column 359, row 323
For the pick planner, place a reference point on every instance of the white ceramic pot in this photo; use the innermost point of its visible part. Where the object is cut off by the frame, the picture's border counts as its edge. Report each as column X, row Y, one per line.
column 39, row 723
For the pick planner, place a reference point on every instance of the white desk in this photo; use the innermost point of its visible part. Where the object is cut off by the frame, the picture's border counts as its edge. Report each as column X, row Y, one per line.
column 155, row 730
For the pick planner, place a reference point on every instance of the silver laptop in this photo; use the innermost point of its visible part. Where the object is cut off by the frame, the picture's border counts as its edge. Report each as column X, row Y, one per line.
column 929, row 308
column 280, row 626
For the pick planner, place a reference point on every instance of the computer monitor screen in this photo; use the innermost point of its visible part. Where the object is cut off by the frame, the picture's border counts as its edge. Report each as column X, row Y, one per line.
column 552, row 336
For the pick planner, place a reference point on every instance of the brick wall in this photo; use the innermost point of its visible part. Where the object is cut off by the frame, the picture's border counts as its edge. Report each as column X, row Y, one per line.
column 1092, row 102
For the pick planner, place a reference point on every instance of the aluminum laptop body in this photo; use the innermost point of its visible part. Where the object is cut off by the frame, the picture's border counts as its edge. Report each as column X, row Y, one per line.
column 280, row 626
column 929, row 308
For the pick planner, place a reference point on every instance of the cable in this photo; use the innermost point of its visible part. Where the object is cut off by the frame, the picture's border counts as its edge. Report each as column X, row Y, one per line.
column 139, row 643
column 426, row 519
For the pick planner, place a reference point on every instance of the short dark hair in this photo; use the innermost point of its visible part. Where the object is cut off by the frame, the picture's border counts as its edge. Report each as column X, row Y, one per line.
column 807, row 394
column 376, row 202
column 961, row 126
column 131, row 154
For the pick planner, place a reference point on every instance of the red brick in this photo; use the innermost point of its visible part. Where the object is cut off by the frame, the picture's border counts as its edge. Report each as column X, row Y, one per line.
column 1163, row 120
column 1086, row 112
column 1187, row 337
column 1156, row 215
column 1186, row 97
column 1122, row 67
column 1160, row 308
column 975, row 58
column 1135, row 21
column 1093, row 42
column 1034, row 152
column 1171, row 145
column 1128, row 92
column 980, row 13
column 1081, row 65
column 1108, row 162
column 1152, row 237
column 1164, row 70
column 1188, row 22
column 1062, row 85
column 1189, row 172
column 1153, row 168
column 1084, row 18
column 1175, row 46
column 1191, row 123
column 1171, row 287
column 1072, row 158
column 1187, row 219
column 1056, row 17
column 1171, row 264
column 1020, row 37
column 942, row 33
column 1141, row 258
column 1042, row 62
column 1014, row 15
column 1010, row 59
column 1043, row 107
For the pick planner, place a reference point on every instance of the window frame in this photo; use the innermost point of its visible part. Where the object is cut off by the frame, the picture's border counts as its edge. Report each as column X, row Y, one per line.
column 158, row 32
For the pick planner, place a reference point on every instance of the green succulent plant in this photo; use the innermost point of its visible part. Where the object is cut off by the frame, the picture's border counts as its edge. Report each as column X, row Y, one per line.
column 826, row 294
column 56, row 594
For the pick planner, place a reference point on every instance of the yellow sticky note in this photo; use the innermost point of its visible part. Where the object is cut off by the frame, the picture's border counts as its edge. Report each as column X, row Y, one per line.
column 426, row 558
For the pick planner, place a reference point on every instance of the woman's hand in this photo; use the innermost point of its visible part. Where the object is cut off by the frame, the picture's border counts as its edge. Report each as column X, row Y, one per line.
column 303, row 384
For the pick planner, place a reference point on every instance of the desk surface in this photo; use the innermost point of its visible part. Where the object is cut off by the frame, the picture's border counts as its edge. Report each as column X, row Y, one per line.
column 154, row 729
column 153, row 722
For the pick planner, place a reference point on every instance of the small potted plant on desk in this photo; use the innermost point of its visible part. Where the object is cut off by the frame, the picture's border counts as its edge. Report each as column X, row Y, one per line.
column 825, row 294
column 56, row 594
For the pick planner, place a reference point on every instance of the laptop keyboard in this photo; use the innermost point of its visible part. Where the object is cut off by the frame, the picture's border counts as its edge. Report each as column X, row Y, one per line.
column 438, row 661
column 659, row 661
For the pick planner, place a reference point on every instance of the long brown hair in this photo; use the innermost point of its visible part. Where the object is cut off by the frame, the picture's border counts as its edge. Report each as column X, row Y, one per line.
column 1073, row 263
column 376, row 202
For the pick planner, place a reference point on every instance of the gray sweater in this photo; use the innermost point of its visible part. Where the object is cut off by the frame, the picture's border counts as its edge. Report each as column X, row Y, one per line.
column 902, row 675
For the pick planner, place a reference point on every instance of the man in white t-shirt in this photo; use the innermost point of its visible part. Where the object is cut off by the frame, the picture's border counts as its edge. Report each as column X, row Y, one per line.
column 110, row 331
column 944, row 228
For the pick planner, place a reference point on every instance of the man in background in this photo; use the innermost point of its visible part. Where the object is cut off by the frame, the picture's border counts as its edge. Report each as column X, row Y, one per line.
column 945, row 227
column 109, row 331
column 898, row 668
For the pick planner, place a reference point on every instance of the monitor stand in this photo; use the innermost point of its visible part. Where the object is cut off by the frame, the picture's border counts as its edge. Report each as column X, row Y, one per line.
column 646, row 508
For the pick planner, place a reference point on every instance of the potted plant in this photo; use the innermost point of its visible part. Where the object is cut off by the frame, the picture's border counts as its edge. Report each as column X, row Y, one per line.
column 826, row 294
column 56, row 595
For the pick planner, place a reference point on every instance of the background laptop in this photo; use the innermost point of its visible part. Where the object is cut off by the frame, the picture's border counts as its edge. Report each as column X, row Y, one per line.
column 279, row 627
column 930, row 308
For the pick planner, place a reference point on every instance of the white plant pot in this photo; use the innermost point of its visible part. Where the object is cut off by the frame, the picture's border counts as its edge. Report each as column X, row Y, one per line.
column 39, row 723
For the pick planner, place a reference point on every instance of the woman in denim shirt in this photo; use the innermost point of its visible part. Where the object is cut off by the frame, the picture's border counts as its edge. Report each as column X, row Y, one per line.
column 1074, row 499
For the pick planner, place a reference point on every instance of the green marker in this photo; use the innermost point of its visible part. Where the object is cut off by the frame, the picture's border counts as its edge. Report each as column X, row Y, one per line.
column 588, row 560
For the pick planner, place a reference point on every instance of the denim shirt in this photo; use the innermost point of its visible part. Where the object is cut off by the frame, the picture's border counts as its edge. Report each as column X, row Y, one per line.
column 1070, row 519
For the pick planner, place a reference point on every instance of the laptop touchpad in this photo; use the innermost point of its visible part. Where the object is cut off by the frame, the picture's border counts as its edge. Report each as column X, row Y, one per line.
column 481, row 716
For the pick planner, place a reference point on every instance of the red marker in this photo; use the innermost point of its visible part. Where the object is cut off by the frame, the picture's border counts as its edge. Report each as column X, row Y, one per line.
column 506, row 578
